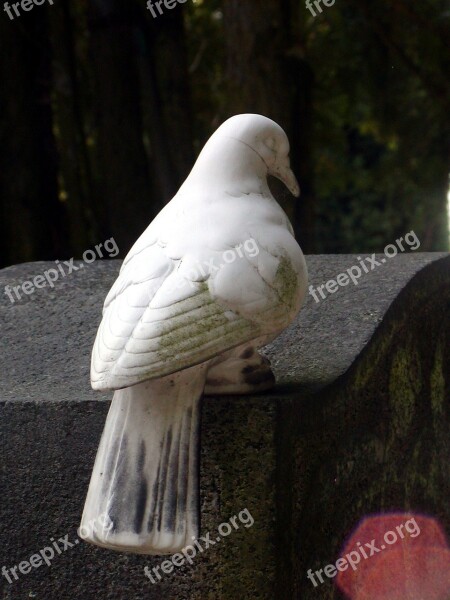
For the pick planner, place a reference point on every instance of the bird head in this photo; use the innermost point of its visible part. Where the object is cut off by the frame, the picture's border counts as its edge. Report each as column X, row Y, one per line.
column 268, row 140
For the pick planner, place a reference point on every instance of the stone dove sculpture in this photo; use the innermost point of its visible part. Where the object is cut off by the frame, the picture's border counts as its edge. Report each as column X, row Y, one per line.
column 186, row 315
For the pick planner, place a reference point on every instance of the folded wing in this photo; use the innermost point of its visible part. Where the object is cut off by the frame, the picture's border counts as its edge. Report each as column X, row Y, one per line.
column 161, row 315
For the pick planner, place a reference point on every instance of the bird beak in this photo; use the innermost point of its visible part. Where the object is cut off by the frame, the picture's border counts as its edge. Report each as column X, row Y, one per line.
column 286, row 175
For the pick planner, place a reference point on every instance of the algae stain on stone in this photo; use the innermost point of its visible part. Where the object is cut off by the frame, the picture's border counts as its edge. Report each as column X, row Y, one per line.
column 405, row 385
column 370, row 365
column 437, row 382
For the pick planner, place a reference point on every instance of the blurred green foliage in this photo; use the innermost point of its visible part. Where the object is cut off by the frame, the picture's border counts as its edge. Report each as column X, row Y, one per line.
column 115, row 105
column 381, row 106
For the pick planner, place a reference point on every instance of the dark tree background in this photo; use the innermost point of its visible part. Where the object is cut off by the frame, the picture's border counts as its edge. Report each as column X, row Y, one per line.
column 103, row 109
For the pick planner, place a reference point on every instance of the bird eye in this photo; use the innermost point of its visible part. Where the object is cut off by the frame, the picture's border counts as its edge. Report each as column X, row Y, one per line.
column 271, row 143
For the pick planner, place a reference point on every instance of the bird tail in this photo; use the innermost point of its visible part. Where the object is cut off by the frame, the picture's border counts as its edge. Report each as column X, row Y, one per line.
column 144, row 491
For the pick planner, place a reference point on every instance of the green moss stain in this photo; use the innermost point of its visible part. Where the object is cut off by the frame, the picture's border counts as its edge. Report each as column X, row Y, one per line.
column 437, row 382
column 405, row 384
column 286, row 284
column 238, row 447
column 193, row 333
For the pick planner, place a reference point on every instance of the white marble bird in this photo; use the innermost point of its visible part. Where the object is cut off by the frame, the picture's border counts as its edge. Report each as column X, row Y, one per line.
column 215, row 276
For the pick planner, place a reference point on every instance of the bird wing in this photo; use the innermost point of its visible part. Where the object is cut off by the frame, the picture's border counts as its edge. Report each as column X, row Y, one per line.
column 177, row 303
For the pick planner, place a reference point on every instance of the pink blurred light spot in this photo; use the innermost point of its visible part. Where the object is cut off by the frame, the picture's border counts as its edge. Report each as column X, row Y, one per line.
column 420, row 574
column 411, row 568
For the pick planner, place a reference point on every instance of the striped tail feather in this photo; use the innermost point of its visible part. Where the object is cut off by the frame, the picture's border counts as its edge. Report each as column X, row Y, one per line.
column 144, row 491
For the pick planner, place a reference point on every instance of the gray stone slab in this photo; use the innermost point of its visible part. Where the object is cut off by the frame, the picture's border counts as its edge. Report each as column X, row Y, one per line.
column 46, row 337
column 262, row 453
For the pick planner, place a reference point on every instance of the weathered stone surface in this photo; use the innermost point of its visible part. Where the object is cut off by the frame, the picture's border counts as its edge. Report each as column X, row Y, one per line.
column 357, row 424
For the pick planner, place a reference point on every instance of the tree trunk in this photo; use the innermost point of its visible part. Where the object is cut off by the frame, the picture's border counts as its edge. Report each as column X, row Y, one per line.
column 125, row 193
column 167, row 100
column 32, row 220
column 72, row 117
column 276, row 83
